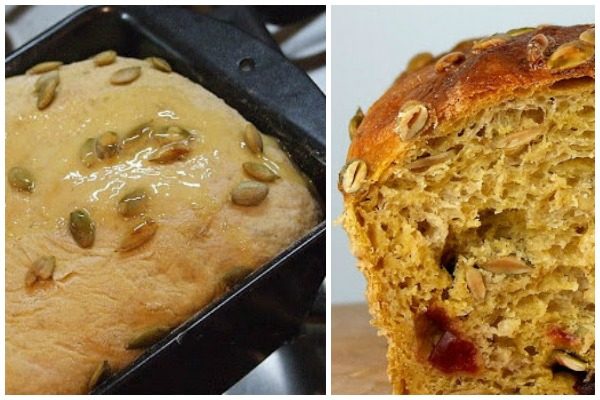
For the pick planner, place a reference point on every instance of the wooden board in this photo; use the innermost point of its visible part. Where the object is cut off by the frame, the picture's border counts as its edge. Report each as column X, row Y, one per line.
column 358, row 363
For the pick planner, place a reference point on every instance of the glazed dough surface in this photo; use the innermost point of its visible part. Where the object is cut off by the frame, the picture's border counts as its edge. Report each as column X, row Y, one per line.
column 58, row 331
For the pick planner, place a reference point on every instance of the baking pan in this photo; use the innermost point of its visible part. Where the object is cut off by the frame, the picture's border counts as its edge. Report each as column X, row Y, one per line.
column 225, row 340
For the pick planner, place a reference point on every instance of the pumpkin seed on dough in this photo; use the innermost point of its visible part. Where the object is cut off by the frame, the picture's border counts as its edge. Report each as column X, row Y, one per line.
column 107, row 145
column 133, row 203
column 253, row 139
column 260, row 171
column 44, row 78
column 100, row 374
column 160, row 64
column 169, row 134
column 105, row 58
column 249, row 193
column 44, row 67
column 82, row 228
column 87, row 152
column 47, row 92
column 44, row 266
column 21, row 179
column 139, row 236
column 170, row 152
column 125, row 75
column 147, row 337
column 136, row 134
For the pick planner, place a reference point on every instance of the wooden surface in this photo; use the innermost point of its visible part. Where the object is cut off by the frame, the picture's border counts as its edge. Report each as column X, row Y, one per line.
column 358, row 363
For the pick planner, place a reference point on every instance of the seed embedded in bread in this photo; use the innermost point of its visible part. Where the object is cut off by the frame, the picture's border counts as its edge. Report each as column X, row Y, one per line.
column 147, row 337
column 489, row 42
column 160, row 64
column 41, row 269
column 428, row 161
column 44, row 78
column 507, row 265
column 101, row 373
column 82, row 228
column 475, row 283
column 536, row 49
column 253, row 139
column 138, row 236
column 47, row 92
column 87, row 152
column 411, row 120
column 171, row 152
column 133, row 203
column 566, row 360
column 107, row 145
column 352, row 176
column 260, row 171
column 588, row 36
column 419, row 61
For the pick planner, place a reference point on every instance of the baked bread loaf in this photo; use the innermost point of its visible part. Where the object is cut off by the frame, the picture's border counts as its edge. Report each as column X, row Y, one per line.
column 134, row 197
column 469, row 202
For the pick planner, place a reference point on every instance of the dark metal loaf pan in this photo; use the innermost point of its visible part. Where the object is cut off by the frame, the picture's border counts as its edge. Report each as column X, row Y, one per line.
column 224, row 341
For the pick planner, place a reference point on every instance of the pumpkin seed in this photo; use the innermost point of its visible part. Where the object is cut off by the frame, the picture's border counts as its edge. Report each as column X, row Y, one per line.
column 44, row 67
column 249, row 193
column 82, row 228
column 21, row 179
column 44, row 78
column 570, row 55
column 169, row 134
column 133, row 203
column 588, row 36
column 450, row 60
column 519, row 31
column 427, row 162
column 260, row 171
column 419, row 61
column 147, row 337
column 47, row 92
column 170, row 152
column 475, row 283
column 140, row 235
column 100, row 374
column 235, row 275
column 107, row 145
column 44, row 267
column 136, row 134
column 569, row 361
column 411, row 119
column 125, row 75
column 160, row 64
column 105, row 58
column 352, row 176
column 507, row 265
column 490, row 41
column 253, row 139
column 355, row 123
column 87, row 152
column 535, row 50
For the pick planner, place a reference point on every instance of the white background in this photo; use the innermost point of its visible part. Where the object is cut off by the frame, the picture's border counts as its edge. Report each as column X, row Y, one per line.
column 371, row 45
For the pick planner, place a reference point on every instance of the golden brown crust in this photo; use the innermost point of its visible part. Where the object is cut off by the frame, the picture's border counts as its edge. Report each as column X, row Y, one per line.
column 486, row 76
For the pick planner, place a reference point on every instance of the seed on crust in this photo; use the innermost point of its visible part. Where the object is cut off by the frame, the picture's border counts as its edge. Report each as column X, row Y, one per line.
column 170, row 152
column 100, row 374
column 147, row 337
column 47, row 92
column 588, row 36
column 105, row 58
column 419, row 61
column 519, row 31
column 566, row 360
column 489, row 42
column 535, row 50
column 260, row 171
column 355, row 123
column 570, row 55
column 450, row 60
column 411, row 119
column 352, row 176
column 83, row 228
column 21, row 179
column 43, row 67
column 507, row 265
column 475, row 283
column 125, row 75
column 140, row 235
column 253, row 139
column 249, row 193
column 160, row 64
column 106, row 145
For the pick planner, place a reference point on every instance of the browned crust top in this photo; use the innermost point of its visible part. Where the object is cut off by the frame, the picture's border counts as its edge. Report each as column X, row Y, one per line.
column 486, row 76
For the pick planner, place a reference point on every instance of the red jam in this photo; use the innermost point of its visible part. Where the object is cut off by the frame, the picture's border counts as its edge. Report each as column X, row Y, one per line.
column 451, row 353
